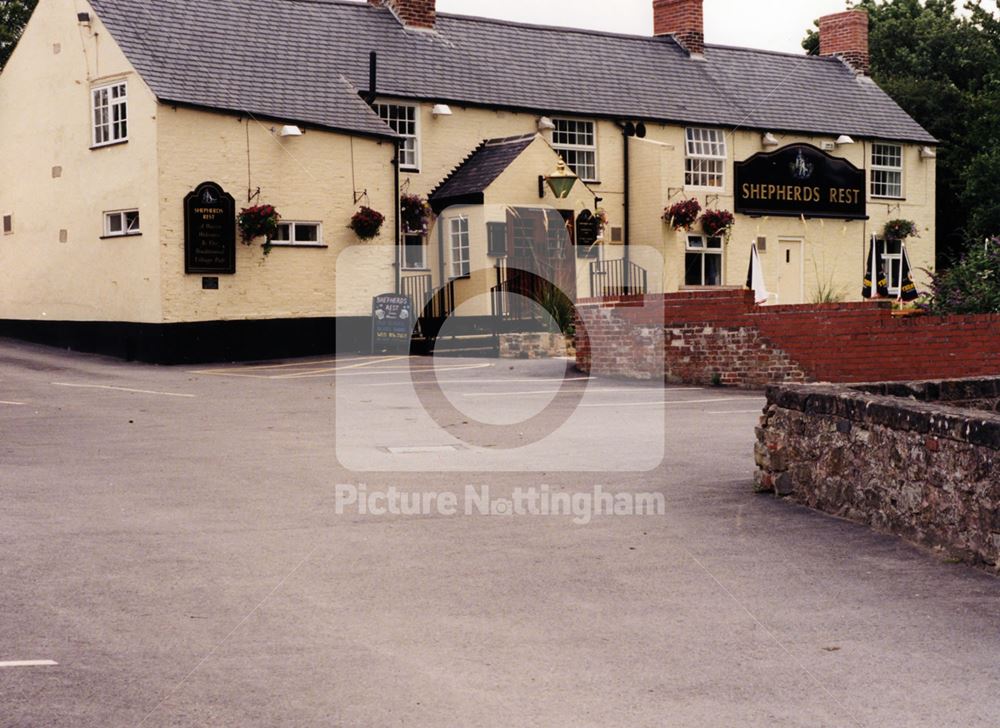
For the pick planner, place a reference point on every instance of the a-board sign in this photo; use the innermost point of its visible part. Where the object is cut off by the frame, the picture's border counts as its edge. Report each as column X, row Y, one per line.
column 209, row 230
column 392, row 322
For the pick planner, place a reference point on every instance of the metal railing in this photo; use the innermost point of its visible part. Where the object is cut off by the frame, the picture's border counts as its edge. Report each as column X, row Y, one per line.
column 607, row 278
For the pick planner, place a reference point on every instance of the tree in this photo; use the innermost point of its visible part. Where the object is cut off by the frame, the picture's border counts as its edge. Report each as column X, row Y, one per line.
column 14, row 16
column 943, row 68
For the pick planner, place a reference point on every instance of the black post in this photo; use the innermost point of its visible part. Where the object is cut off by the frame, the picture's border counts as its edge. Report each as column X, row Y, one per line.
column 397, row 146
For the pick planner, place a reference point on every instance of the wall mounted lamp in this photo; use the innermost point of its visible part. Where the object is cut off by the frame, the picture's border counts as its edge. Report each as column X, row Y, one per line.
column 843, row 139
column 441, row 110
column 769, row 140
column 560, row 182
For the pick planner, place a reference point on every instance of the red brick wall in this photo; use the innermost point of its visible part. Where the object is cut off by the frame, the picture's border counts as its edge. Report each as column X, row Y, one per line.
column 684, row 19
column 846, row 35
column 722, row 334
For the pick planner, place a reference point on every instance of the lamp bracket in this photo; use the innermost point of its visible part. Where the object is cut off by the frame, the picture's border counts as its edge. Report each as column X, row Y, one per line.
column 251, row 196
column 672, row 192
column 358, row 196
column 711, row 200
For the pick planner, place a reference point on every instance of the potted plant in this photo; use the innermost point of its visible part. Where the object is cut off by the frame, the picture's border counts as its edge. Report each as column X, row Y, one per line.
column 717, row 222
column 258, row 221
column 415, row 214
column 900, row 230
column 367, row 223
column 682, row 215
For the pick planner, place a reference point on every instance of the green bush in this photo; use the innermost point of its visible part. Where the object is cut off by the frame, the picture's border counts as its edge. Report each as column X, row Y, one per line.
column 972, row 285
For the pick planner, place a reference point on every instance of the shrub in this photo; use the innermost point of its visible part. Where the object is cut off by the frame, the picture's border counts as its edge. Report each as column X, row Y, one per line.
column 972, row 285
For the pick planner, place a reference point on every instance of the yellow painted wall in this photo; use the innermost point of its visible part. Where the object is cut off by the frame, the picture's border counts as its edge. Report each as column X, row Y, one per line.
column 307, row 178
column 833, row 251
column 45, row 118
column 45, row 115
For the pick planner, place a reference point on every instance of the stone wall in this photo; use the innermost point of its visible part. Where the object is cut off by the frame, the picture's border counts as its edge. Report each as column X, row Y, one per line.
column 719, row 336
column 895, row 456
column 535, row 345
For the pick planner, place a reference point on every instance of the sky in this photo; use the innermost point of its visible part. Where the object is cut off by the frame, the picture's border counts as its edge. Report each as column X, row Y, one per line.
column 776, row 25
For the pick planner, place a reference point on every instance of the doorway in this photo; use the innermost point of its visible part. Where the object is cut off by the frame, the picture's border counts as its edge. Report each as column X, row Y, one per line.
column 791, row 284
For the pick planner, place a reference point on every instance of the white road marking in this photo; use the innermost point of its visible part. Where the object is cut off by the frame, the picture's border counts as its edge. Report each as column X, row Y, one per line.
column 120, row 389
column 419, row 450
column 637, row 390
column 662, row 402
column 18, row 404
column 29, row 663
column 736, row 412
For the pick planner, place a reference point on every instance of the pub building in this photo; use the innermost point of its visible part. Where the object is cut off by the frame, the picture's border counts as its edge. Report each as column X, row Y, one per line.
column 134, row 133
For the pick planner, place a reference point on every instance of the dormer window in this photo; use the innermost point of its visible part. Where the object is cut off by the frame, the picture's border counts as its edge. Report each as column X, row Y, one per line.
column 110, row 114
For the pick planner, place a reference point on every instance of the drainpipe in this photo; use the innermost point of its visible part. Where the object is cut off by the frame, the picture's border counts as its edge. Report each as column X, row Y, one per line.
column 396, row 145
column 626, row 272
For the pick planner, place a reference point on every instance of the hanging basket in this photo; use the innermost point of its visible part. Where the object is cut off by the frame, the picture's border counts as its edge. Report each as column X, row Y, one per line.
column 256, row 222
column 415, row 214
column 899, row 230
column 367, row 223
column 682, row 215
column 717, row 223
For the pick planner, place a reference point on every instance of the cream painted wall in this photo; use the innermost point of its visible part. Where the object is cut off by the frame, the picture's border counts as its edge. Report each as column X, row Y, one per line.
column 833, row 251
column 45, row 116
column 311, row 178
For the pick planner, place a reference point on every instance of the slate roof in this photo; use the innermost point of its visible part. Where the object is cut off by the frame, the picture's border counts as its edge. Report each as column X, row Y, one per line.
column 285, row 58
column 469, row 180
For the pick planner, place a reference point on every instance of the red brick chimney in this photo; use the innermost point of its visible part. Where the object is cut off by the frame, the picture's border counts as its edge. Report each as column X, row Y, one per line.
column 846, row 35
column 683, row 19
column 411, row 13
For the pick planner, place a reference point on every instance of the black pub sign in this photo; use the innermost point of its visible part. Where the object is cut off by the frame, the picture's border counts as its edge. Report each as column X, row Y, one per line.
column 209, row 230
column 800, row 179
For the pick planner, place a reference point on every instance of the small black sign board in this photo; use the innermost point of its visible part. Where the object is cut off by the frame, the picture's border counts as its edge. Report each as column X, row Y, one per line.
column 588, row 227
column 800, row 179
column 392, row 323
column 209, row 230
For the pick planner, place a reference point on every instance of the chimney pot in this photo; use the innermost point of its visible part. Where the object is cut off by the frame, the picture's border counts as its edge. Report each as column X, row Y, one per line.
column 846, row 35
column 683, row 19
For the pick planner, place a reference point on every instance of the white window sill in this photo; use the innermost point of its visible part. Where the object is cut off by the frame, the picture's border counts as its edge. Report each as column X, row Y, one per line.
column 108, row 144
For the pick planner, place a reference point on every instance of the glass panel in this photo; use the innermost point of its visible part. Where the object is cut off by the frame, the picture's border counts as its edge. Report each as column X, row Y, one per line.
column 283, row 233
column 695, row 241
column 713, row 269
column 715, row 243
column 692, row 269
column 114, row 222
column 132, row 221
column 306, row 233
column 413, row 252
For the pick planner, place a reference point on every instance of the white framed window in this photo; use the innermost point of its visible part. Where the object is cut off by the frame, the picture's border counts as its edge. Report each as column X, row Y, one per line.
column 291, row 232
column 119, row 223
column 704, row 158
column 576, row 142
column 892, row 262
column 109, row 105
column 404, row 119
column 8, row 224
column 414, row 252
column 703, row 261
column 887, row 170
column 459, row 247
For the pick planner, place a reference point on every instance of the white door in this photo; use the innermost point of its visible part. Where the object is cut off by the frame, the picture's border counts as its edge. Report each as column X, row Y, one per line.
column 790, row 272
